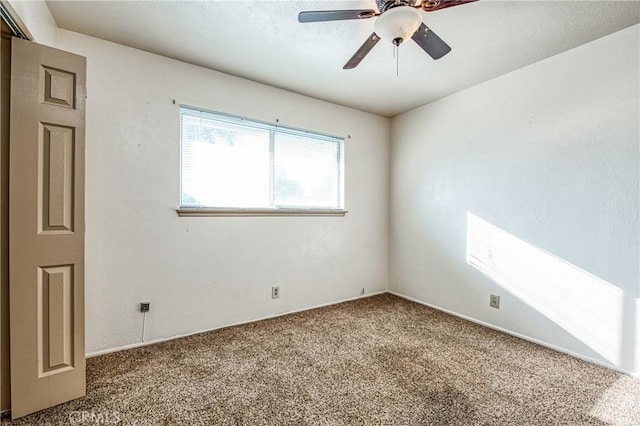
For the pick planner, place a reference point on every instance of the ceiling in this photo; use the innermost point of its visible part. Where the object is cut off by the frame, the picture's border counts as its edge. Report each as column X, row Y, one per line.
column 263, row 41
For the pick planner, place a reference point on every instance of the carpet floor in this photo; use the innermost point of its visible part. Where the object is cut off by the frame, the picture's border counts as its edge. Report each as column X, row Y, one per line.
column 373, row 361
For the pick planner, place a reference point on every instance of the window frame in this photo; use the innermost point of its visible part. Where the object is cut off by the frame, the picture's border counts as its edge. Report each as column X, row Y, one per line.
column 203, row 211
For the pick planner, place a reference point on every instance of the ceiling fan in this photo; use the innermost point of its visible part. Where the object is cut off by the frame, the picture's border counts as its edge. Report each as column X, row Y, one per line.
column 398, row 21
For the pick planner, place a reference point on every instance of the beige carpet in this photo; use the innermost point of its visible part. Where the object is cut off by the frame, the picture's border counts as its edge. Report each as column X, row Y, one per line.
column 380, row 360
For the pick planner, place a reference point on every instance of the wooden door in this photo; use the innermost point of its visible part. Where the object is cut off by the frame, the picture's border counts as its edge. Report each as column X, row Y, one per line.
column 46, row 227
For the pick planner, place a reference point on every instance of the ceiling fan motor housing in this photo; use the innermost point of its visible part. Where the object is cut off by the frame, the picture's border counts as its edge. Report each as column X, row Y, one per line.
column 384, row 5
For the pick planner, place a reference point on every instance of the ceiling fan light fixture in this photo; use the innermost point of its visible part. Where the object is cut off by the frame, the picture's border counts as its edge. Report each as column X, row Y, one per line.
column 398, row 23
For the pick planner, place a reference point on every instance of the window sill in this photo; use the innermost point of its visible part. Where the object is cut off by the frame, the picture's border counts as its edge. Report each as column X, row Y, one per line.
column 209, row 212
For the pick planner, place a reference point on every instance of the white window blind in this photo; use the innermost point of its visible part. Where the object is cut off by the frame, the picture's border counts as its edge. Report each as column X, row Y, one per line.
column 233, row 162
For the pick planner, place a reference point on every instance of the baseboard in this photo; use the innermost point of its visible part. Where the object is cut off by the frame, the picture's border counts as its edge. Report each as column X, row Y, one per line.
column 179, row 336
column 518, row 335
column 411, row 299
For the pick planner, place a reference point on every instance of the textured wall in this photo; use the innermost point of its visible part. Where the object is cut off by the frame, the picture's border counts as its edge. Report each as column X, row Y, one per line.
column 201, row 273
column 526, row 186
column 35, row 18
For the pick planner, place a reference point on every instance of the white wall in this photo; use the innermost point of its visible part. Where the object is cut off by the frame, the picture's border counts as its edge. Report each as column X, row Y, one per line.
column 201, row 273
column 536, row 174
column 34, row 17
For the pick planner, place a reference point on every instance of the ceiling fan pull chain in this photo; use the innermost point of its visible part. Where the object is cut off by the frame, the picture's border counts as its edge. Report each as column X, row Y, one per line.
column 397, row 61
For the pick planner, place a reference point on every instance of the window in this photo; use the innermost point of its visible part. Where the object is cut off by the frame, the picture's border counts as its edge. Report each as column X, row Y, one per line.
column 232, row 163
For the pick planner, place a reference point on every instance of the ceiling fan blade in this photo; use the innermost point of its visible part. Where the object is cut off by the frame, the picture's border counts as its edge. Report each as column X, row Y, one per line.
column 430, row 42
column 362, row 52
column 433, row 5
column 335, row 15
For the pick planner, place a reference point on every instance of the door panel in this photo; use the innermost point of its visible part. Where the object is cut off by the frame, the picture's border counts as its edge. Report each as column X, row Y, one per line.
column 46, row 219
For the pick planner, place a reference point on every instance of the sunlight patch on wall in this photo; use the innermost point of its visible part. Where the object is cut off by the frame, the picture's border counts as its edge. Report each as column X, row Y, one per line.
column 589, row 308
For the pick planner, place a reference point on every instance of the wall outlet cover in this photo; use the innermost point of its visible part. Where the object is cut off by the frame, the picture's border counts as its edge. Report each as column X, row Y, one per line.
column 494, row 301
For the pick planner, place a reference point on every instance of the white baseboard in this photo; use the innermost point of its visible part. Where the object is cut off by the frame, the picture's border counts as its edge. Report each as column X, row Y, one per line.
column 166, row 339
column 521, row 336
column 450, row 312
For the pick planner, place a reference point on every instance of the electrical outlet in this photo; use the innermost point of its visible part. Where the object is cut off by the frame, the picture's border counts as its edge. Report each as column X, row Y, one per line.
column 494, row 301
column 145, row 306
column 275, row 292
